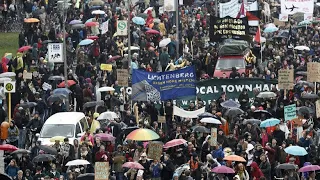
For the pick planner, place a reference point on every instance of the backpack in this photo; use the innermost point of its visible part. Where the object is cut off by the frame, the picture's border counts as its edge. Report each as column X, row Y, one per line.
column 15, row 62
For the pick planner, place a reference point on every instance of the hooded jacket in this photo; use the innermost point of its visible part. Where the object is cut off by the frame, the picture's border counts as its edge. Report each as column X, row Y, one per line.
column 257, row 173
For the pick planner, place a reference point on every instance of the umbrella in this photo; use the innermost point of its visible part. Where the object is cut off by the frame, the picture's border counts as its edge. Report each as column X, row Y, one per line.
column 105, row 89
column 296, row 151
column 91, row 24
column 24, row 48
column 21, row 151
column 210, row 120
column 230, row 104
column 164, row 42
column 70, row 83
column 152, row 31
column 304, row 23
column 31, row 20
column 57, row 138
column 302, row 73
column 309, row 96
column 233, row 112
column 143, row 135
column 201, row 129
column 132, row 165
column 78, row 162
column 5, row 177
column 304, row 110
column 234, row 158
column 302, row 48
column 93, row 37
column 305, row 83
column 252, row 121
column 90, row 20
column 37, row 12
column 63, row 91
column 270, row 29
column 131, row 48
column 56, row 97
column 174, row 143
column 75, row 21
column 78, row 26
column 205, row 114
column 28, row 104
column 138, row 20
column 96, row 3
column 86, row 42
column 86, row 176
column 269, row 122
column 8, row 147
column 266, row 95
column 270, row 25
column 43, row 158
column 309, row 168
column 7, row 74
column 47, row 41
column 56, row 78
column 48, row 149
column 93, row 104
column 113, row 58
column 4, row 79
column 109, row 115
column 223, row 170
column 100, row 12
column 287, row 166
column 105, row 137
column 143, row 15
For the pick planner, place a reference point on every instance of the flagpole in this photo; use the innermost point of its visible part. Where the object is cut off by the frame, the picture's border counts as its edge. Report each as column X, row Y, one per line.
column 177, row 28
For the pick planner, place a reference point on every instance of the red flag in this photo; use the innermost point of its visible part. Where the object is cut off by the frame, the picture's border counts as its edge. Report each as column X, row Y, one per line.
column 257, row 37
column 242, row 12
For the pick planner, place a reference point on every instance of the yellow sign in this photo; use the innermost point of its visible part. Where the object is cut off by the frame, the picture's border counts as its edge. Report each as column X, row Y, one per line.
column 10, row 87
column 106, row 67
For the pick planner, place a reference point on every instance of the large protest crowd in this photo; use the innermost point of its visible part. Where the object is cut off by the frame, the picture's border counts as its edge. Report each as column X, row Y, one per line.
column 243, row 122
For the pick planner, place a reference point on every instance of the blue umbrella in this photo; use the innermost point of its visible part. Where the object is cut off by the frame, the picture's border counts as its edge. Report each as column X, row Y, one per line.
column 75, row 21
column 63, row 91
column 296, row 151
column 270, row 29
column 230, row 104
column 95, row 7
column 269, row 122
column 89, row 20
column 138, row 20
column 86, row 42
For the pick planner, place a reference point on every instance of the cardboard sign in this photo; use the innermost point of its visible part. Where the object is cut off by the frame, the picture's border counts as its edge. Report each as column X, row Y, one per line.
column 122, row 77
column 285, row 79
column 155, row 150
column 46, row 86
column 283, row 17
column 290, row 112
column 106, row 67
column 101, row 171
column 161, row 119
column 313, row 72
column 214, row 137
column 27, row 75
column 278, row 23
column 318, row 108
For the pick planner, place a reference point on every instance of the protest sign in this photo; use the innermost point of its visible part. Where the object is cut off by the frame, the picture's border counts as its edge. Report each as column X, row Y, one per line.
column 285, row 79
column 106, row 67
column 101, row 171
column 161, row 119
column 318, row 108
column 313, row 72
column 27, row 75
column 155, row 150
column 214, row 136
column 290, row 112
column 122, row 77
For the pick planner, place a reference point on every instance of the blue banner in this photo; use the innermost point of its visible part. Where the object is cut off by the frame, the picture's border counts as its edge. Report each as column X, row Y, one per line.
column 149, row 86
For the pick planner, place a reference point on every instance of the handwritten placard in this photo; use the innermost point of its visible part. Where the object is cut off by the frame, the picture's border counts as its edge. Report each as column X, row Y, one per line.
column 318, row 108
column 122, row 77
column 106, row 67
column 290, row 112
column 313, row 72
column 101, row 171
column 214, row 137
column 161, row 119
column 286, row 79
column 155, row 150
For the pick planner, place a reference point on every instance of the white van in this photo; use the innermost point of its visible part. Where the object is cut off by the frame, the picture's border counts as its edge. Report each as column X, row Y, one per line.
column 67, row 124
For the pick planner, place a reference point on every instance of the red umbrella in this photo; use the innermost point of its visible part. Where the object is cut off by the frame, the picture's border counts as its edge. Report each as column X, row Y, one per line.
column 113, row 58
column 173, row 143
column 8, row 147
column 24, row 48
column 90, row 24
column 93, row 37
column 70, row 83
column 223, row 170
column 105, row 137
column 152, row 31
column 133, row 165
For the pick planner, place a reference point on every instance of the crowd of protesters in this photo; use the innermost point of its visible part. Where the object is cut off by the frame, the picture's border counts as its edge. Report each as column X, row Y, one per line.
column 263, row 149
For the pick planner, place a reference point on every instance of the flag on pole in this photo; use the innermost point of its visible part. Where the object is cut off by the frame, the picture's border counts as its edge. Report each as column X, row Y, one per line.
column 257, row 37
column 242, row 11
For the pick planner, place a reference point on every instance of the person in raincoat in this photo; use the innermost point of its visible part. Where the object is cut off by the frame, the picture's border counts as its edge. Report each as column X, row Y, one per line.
column 17, row 65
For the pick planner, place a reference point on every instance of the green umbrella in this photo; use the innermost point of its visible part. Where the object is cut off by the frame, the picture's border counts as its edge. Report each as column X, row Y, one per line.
column 304, row 23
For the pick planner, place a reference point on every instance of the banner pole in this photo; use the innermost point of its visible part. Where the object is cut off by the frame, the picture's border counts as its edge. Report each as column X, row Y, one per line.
column 9, row 106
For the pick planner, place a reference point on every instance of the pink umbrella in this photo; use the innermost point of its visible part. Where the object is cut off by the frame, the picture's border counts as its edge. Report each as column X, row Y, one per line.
column 133, row 165
column 93, row 37
column 105, row 137
column 309, row 168
column 152, row 31
column 91, row 24
column 173, row 143
column 223, row 170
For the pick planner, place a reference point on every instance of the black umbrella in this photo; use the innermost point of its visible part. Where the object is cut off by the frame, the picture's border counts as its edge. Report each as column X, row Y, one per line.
column 233, row 112
column 56, row 97
column 262, row 112
column 309, row 96
column 304, row 110
column 201, row 129
column 56, row 78
column 252, row 121
column 28, row 104
column 48, row 149
column 86, row 176
column 205, row 114
column 21, row 151
column 302, row 73
column 5, row 177
column 287, row 166
column 93, row 104
column 43, row 158
column 305, row 83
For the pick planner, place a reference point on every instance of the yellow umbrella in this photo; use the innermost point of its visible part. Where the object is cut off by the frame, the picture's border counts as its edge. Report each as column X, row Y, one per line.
column 57, row 138
column 31, row 20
